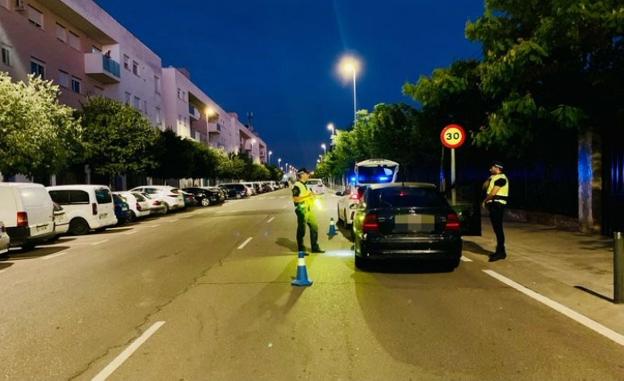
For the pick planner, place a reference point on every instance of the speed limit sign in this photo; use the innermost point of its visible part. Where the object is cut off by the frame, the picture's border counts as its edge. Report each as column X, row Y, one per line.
column 453, row 136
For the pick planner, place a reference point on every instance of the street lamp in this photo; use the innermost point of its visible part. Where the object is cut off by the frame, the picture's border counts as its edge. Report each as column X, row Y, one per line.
column 332, row 128
column 279, row 160
column 324, row 147
column 349, row 66
column 270, row 153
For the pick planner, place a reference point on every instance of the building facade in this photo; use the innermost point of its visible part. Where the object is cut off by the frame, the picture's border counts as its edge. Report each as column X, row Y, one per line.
column 79, row 46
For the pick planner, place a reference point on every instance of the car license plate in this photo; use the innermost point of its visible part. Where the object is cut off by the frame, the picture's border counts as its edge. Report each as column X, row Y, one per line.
column 414, row 223
column 41, row 228
column 103, row 216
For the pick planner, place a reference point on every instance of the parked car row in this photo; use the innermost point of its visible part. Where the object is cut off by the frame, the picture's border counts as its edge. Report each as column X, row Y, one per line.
column 31, row 213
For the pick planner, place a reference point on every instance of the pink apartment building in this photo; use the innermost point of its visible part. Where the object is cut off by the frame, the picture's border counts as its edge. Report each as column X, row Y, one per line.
column 82, row 48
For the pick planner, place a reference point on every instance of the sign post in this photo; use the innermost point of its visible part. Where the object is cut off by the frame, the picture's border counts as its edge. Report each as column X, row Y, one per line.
column 453, row 136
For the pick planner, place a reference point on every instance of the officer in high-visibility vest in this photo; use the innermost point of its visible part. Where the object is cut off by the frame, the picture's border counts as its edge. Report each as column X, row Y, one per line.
column 497, row 188
column 303, row 198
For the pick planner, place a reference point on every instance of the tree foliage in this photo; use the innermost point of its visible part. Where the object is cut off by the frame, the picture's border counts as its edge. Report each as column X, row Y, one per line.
column 37, row 134
column 117, row 139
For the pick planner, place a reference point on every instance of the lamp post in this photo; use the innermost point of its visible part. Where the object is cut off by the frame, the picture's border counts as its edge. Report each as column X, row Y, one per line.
column 331, row 128
column 270, row 153
column 279, row 161
column 324, row 147
column 349, row 67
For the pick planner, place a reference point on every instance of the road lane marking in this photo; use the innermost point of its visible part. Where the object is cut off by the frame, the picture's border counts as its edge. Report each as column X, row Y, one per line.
column 271, row 219
column 466, row 259
column 99, row 242
column 172, row 220
column 245, row 243
column 59, row 254
column 123, row 356
column 151, row 226
column 130, row 232
column 579, row 318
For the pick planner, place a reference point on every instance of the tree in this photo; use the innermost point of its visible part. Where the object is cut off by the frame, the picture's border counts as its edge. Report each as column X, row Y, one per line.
column 173, row 156
column 38, row 136
column 117, row 139
column 205, row 161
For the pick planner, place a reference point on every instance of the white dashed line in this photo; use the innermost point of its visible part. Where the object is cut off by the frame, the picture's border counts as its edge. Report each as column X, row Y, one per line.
column 579, row 318
column 99, row 242
column 130, row 232
column 245, row 243
column 173, row 220
column 466, row 259
column 59, row 254
column 151, row 226
column 270, row 219
column 123, row 356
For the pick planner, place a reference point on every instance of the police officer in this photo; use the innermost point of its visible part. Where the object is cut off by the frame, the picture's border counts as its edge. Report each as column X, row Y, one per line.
column 497, row 188
column 303, row 199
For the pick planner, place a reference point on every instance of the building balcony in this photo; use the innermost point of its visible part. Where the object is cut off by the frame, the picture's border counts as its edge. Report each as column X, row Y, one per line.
column 102, row 68
column 194, row 112
column 214, row 128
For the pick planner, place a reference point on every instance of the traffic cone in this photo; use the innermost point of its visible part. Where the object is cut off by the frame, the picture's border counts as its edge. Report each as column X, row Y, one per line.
column 302, row 273
column 332, row 228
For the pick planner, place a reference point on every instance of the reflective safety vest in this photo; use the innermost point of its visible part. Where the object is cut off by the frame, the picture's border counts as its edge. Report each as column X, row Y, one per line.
column 503, row 193
column 305, row 198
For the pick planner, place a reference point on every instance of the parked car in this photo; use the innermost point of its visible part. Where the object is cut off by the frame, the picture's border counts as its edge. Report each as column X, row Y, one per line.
column 406, row 221
column 5, row 240
column 348, row 203
column 156, row 205
column 266, row 187
column 222, row 194
column 27, row 212
column 170, row 196
column 251, row 189
column 122, row 210
column 61, row 223
column 138, row 204
column 316, row 186
column 205, row 196
column 189, row 199
column 88, row 207
column 235, row 190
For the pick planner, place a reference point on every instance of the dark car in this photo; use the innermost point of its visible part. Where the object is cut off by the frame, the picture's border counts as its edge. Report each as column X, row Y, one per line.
column 189, row 199
column 235, row 190
column 221, row 194
column 122, row 210
column 204, row 196
column 406, row 221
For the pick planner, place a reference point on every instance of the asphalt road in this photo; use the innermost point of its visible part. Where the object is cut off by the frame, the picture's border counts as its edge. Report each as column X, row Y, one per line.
column 189, row 297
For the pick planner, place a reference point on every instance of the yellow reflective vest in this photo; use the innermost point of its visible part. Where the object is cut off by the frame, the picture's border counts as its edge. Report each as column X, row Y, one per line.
column 305, row 198
column 503, row 193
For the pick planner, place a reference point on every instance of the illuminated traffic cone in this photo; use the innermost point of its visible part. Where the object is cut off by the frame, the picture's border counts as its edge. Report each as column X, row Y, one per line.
column 332, row 227
column 302, row 273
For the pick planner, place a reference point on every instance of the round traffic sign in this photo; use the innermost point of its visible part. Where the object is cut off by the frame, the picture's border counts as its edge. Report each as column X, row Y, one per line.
column 453, row 136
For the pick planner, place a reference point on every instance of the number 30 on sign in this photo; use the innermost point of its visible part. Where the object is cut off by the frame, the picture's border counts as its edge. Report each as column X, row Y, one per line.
column 453, row 136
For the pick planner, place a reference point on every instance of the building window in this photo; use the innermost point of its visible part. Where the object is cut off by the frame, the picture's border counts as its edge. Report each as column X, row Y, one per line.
column 145, row 107
column 75, row 85
column 157, row 84
column 63, row 79
column 74, row 40
column 61, row 33
column 137, row 103
column 37, row 67
column 35, row 17
column 179, row 93
column 126, row 62
column 158, row 120
column 128, row 96
column 95, row 49
column 6, row 56
column 135, row 68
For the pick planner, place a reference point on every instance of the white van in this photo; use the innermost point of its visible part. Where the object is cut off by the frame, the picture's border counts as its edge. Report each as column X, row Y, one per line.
column 27, row 212
column 316, row 186
column 87, row 207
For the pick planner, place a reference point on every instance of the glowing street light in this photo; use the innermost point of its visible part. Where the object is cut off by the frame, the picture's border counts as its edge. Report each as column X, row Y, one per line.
column 270, row 153
column 332, row 128
column 324, row 147
column 349, row 66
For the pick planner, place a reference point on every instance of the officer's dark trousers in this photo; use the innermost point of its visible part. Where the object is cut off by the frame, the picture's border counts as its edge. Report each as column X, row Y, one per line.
column 497, row 210
column 306, row 218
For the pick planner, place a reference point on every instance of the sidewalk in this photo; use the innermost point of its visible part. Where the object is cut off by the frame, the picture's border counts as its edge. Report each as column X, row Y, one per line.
column 572, row 268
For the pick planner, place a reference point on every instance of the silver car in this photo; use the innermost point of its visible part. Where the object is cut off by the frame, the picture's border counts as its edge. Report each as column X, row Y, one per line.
column 4, row 239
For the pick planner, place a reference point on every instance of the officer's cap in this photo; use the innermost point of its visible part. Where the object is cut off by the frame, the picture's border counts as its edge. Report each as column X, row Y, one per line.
column 498, row 164
column 302, row 171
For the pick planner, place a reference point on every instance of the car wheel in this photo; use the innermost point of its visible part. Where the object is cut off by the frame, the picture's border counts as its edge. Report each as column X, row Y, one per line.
column 166, row 210
column 205, row 202
column 79, row 226
column 132, row 216
column 452, row 264
column 361, row 263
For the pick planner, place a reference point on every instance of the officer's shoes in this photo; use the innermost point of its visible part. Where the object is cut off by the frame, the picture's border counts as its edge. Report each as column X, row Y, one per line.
column 497, row 257
column 317, row 250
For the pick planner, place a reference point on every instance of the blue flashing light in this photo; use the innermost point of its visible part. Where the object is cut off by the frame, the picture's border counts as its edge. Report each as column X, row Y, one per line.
column 383, row 178
column 353, row 178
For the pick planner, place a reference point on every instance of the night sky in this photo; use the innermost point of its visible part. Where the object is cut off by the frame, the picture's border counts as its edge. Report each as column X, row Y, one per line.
column 277, row 58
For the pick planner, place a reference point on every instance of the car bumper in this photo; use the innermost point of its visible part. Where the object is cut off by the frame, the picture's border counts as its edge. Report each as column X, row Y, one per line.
column 4, row 243
column 425, row 248
column 21, row 235
column 61, row 228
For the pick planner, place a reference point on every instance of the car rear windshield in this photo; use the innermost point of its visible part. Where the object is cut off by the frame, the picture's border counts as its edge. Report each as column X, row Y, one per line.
column 139, row 197
column 103, row 196
column 402, row 197
column 69, row 197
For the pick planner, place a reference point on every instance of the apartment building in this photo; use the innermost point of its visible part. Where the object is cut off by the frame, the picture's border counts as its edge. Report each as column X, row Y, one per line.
column 82, row 48
column 76, row 44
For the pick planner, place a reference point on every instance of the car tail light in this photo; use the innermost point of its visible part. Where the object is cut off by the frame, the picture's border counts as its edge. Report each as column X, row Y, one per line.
column 452, row 222
column 354, row 196
column 22, row 219
column 371, row 224
column 156, row 203
column 138, row 206
column 94, row 209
